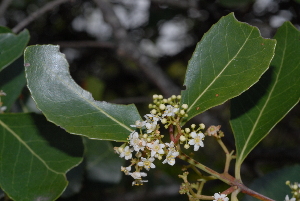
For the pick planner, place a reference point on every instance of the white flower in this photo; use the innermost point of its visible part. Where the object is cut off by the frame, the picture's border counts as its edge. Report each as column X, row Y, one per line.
column 288, row 199
column 147, row 163
column 139, row 124
column 2, row 109
column 126, row 170
column 136, row 142
column 172, row 154
column 127, row 152
column 170, row 111
column 155, row 147
column 220, row 197
column 138, row 175
column 152, row 118
column 151, row 127
column 197, row 140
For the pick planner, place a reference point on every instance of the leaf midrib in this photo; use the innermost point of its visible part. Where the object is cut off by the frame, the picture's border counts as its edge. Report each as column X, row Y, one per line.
column 26, row 146
column 214, row 80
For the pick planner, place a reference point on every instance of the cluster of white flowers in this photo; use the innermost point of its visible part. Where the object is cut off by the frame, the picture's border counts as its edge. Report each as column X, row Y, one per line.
column 220, row 197
column 295, row 187
column 145, row 143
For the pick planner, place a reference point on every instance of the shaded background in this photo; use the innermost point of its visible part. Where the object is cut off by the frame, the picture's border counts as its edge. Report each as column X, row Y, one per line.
column 124, row 51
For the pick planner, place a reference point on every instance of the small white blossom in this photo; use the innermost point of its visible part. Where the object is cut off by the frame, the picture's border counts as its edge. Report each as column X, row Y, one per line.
column 126, row 170
column 151, row 127
column 155, row 147
column 170, row 111
column 288, row 199
column 139, row 124
column 136, row 142
column 172, row 154
column 152, row 118
column 147, row 163
column 197, row 140
column 127, row 153
column 138, row 175
column 220, row 197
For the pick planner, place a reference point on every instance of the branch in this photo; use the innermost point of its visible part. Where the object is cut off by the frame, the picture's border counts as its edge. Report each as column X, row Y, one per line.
column 225, row 177
column 49, row 6
column 3, row 6
column 128, row 49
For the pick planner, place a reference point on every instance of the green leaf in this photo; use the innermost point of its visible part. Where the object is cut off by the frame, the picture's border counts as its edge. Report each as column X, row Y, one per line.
column 12, row 81
column 257, row 111
column 102, row 163
column 35, row 156
column 66, row 104
column 273, row 184
column 229, row 59
column 11, row 46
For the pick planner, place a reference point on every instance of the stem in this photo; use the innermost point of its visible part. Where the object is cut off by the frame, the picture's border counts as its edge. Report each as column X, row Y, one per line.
column 171, row 132
column 225, row 177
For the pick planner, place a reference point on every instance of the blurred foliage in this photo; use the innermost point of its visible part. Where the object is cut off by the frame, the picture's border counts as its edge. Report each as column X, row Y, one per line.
column 110, row 78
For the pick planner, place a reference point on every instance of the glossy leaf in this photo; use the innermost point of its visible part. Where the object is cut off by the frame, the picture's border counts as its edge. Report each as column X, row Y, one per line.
column 229, row 59
column 66, row 104
column 12, row 81
column 258, row 110
column 273, row 184
column 11, row 46
column 35, row 156
column 102, row 163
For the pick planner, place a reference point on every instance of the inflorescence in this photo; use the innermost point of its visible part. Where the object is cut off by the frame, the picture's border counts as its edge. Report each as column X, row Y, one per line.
column 145, row 144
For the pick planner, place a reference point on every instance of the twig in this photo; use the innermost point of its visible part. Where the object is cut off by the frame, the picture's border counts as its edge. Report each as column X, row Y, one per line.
column 225, row 177
column 49, row 6
column 129, row 50
column 3, row 7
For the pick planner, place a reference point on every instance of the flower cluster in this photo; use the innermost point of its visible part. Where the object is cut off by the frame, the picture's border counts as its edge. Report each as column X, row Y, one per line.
column 145, row 143
column 295, row 191
column 220, row 197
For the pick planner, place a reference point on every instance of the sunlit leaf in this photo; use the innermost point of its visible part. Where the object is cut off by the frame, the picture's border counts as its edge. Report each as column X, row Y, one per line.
column 66, row 104
column 11, row 46
column 258, row 110
column 35, row 156
column 229, row 59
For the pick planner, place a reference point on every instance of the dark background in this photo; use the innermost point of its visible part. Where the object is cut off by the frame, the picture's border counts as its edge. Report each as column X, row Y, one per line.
column 124, row 51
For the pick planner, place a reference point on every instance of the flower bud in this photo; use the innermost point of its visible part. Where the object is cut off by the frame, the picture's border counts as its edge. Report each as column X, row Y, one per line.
column 145, row 136
column 182, row 112
column 193, row 126
column 153, row 111
column 187, row 130
column 182, row 138
column 186, row 146
column 173, row 97
column 165, row 100
column 179, row 97
column 162, row 106
column 185, row 106
column 160, row 97
column 164, row 121
column 202, row 126
column 155, row 96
